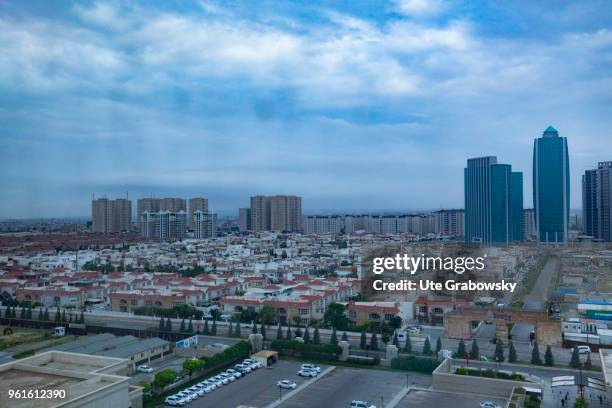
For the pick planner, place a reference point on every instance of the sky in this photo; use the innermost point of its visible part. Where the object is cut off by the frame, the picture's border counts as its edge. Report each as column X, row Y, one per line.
column 353, row 105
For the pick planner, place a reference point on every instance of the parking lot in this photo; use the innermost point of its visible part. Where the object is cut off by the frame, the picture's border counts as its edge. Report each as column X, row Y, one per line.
column 342, row 385
column 256, row 389
column 427, row 398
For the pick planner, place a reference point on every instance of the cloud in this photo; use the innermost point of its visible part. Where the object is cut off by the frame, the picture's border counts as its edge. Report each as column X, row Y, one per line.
column 419, row 7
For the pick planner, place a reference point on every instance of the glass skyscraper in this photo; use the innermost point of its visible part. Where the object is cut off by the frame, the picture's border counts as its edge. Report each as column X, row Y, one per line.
column 597, row 202
column 551, row 188
column 493, row 202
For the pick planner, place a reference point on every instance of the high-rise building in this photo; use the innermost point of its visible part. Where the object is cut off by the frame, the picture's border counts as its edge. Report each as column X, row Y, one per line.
column 551, row 186
column 450, row 222
column 517, row 206
column 111, row 216
column 490, row 201
column 164, row 225
column 529, row 229
column 205, row 224
column 155, row 205
column 196, row 204
column 276, row 213
column 244, row 219
column 597, row 202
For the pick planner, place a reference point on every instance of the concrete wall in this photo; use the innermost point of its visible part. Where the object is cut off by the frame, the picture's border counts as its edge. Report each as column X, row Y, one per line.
column 444, row 380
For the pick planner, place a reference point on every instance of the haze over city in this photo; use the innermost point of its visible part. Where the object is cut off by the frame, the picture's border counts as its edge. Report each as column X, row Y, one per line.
column 353, row 108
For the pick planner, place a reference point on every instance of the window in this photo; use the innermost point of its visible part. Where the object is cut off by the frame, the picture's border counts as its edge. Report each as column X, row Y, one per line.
column 438, row 310
column 304, row 311
column 133, row 302
column 388, row 316
column 281, row 310
column 374, row 316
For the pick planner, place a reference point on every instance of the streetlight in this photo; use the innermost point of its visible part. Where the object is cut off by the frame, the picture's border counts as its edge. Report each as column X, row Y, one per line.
column 280, row 392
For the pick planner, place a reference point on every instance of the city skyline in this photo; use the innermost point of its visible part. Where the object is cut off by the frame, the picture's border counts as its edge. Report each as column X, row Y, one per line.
column 352, row 104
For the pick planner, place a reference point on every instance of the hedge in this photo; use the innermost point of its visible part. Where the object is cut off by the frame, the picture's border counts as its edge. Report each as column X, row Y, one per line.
column 364, row 361
column 24, row 354
column 306, row 350
column 424, row 365
column 227, row 356
column 489, row 374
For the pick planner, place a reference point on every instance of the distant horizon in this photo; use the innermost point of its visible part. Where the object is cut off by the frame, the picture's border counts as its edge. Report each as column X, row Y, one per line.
column 351, row 105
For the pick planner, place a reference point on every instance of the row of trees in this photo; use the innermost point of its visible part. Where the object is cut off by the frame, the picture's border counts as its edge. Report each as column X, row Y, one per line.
column 26, row 313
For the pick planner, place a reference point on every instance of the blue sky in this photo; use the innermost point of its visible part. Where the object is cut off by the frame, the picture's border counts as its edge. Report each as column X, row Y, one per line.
column 354, row 105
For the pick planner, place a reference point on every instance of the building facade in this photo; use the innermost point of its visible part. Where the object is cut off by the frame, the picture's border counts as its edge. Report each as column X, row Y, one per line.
column 276, row 213
column 244, row 219
column 492, row 196
column 551, row 186
column 529, row 229
column 196, row 204
column 111, row 216
column 597, row 202
column 204, row 224
column 451, row 222
column 164, row 225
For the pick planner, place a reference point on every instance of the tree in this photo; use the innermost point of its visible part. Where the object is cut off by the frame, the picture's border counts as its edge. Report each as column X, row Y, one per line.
column 408, row 345
column 254, row 329
column 279, row 332
column 396, row 340
column 588, row 364
column 535, row 354
column 580, row 402
column 165, row 377
column 82, row 317
column 206, row 330
column 58, row 316
column 64, row 316
column 474, row 352
column 298, row 332
column 306, row 335
column 192, row 365
column 267, row 314
column 499, row 351
column 29, row 313
column 548, row 357
column 182, row 329
column 46, row 314
column 334, row 338
column 374, row 341
column 461, row 352
column 427, row 347
column 230, row 330
column 316, row 338
column 364, row 340
column 297, row 320
column 344, row 337
column 262, row 330
column 288, row 332
column 511, row 353
column 168, row 324
column 22, row 314
column 162, row 326
column 190, row 326
column 395, row 322
column 335, row 316
column 213, row 330
column 438, row 346
column 41, row 314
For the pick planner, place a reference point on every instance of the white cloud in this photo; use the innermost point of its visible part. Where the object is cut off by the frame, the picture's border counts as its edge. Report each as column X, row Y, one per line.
column 419, row 7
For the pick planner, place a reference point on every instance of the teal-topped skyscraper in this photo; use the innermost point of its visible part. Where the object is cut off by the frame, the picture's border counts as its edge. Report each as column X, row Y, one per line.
column 493, row 202
column 551, row 186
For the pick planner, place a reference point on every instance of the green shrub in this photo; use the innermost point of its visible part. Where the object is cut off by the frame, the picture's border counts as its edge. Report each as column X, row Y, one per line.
column 363, row 361
column 415, row 363
column 307, row 350
column 24, row 354
column 229, row 355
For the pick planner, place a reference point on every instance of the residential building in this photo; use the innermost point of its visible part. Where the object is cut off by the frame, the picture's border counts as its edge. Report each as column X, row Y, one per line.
column 164, row 225
column 155, row 205
column 551, row 186
column 529, row 229
column 111, row 216
column 323, row 224
column 597, row 202
column 204, row 224
column 244, row 219
column 276, row 213
column 451, row 222
column 196, row 204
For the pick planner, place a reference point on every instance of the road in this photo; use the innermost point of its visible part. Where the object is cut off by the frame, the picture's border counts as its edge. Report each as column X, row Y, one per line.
column 538, row 296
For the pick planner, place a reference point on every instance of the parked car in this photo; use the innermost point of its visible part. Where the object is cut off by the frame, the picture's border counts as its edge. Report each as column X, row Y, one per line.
column 307, row 373
column 208, row 385
column 488, row 404
column 223, row 380
column 311, row 367
column 145, row 368
column 583, row 349
column 286, row 384
column 361, row 404
column 174, row 401
column 242, row 368
column 185, row 396
column 233, row 372
column 230, row 378
column 253, row 364
column 196, row 390
column 413, row 329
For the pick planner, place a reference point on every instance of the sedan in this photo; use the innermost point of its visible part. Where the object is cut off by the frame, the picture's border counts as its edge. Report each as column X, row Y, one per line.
column 307, row 373
column 488, row 404
column 286, row 384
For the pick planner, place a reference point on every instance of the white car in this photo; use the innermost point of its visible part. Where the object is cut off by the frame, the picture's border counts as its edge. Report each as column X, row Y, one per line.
column 488, row 404
column 253, row 364
column 184, row 395
column 207, row 386
column 286, row 384
column 174, row 401
column 233, row 372
column 361, row 404
column 583, row 349
column 310, row 367
column 223, row 379
column 231, row 378
column 196, row 390
column 218, row 381
column 304, row 372
column 210, row 383
column 145, row 368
